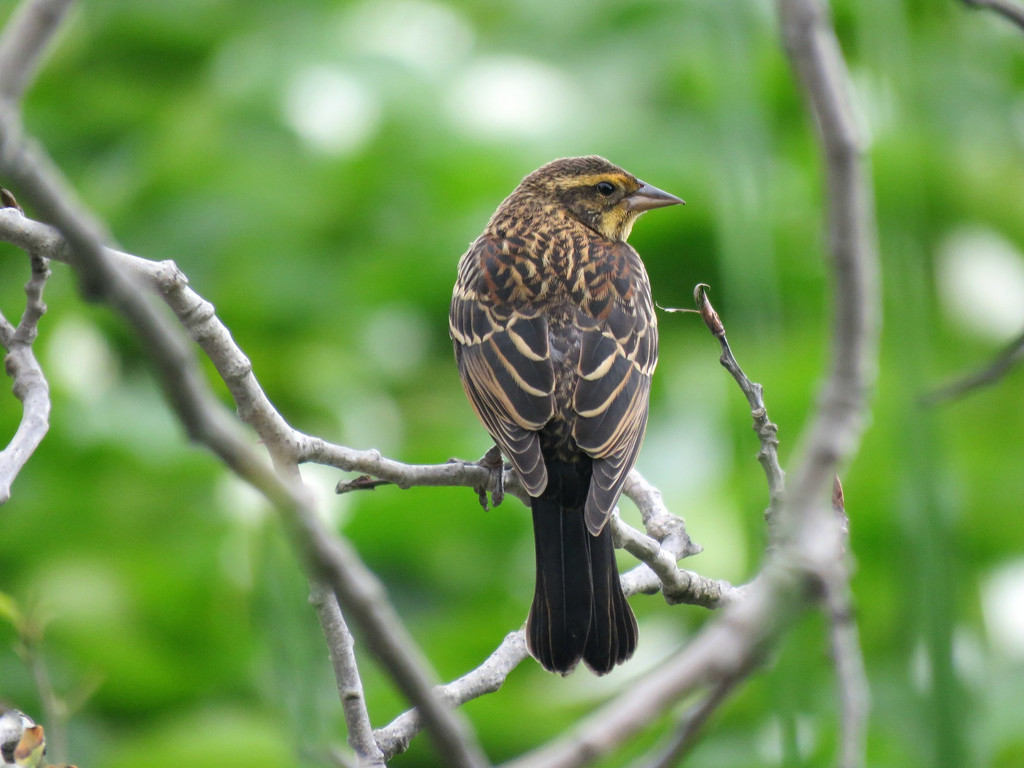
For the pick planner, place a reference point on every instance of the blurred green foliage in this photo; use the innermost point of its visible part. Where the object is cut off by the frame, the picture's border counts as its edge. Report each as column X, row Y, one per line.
column 317, row 168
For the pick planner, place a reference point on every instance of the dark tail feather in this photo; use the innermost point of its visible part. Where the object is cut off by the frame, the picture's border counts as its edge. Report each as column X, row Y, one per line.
column 556, row 632
column 579, row 610
column 613, row 630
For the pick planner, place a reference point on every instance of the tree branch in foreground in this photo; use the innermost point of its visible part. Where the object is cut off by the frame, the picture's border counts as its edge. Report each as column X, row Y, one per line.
column 767, row 432
column 26, row 37
column 835, row 429
column 834, row 433
column 689, row 728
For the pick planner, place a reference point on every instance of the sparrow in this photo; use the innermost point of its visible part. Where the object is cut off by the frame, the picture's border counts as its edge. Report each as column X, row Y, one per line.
column 556, row 341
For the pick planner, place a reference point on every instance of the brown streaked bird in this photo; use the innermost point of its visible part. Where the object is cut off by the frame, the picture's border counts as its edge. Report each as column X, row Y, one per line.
column 556, row 341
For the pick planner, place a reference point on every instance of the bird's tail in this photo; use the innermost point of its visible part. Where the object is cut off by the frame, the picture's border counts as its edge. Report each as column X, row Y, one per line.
column 579, row 610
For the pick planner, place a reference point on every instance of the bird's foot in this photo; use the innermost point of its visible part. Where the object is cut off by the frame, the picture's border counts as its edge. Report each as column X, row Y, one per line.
column 493, row 462
column 495, row 485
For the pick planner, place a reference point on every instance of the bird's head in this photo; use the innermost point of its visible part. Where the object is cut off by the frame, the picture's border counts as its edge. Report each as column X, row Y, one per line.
column 597, row 193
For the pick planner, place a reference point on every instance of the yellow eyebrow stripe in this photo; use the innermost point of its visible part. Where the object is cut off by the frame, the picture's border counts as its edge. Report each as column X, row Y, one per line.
column 592, row 178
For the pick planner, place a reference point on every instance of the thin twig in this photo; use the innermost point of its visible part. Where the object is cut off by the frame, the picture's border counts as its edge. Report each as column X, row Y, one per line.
column 30, row 385
column 1003, row 363
column 1009, row 9
column 55, row 711
column 767, row 432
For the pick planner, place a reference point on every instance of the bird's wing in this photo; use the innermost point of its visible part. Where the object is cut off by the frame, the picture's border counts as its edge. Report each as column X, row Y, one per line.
column 501, row 345
column 618, row 353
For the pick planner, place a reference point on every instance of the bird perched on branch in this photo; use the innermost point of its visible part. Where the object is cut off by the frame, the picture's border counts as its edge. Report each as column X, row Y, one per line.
column 556, row 341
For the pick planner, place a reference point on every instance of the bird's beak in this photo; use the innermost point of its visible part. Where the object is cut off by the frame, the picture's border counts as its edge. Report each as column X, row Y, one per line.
column 648, row 197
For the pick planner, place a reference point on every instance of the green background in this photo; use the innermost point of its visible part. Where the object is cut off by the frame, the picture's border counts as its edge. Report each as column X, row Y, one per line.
column 317, row 168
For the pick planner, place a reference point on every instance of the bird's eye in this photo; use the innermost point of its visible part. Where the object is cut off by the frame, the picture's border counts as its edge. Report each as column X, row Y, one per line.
column 605, row 188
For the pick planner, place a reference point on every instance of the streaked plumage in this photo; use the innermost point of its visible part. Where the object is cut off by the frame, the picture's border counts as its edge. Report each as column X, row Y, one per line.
column 556, row 341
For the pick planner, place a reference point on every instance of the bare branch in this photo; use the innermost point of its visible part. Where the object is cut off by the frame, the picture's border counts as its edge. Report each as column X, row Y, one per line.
column 1009, row 9
column 487, row 678
column 677, row 584
column 454, row 473
column 30, row 385
column 341, row 647
column 1003, row 363
column 24, row 42
column 659, row 521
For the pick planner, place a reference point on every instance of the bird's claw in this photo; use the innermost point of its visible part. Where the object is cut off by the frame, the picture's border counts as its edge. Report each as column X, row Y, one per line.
column 492, row 462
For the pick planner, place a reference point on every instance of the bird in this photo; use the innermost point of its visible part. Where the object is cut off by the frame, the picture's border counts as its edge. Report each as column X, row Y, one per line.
column 556, row 341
